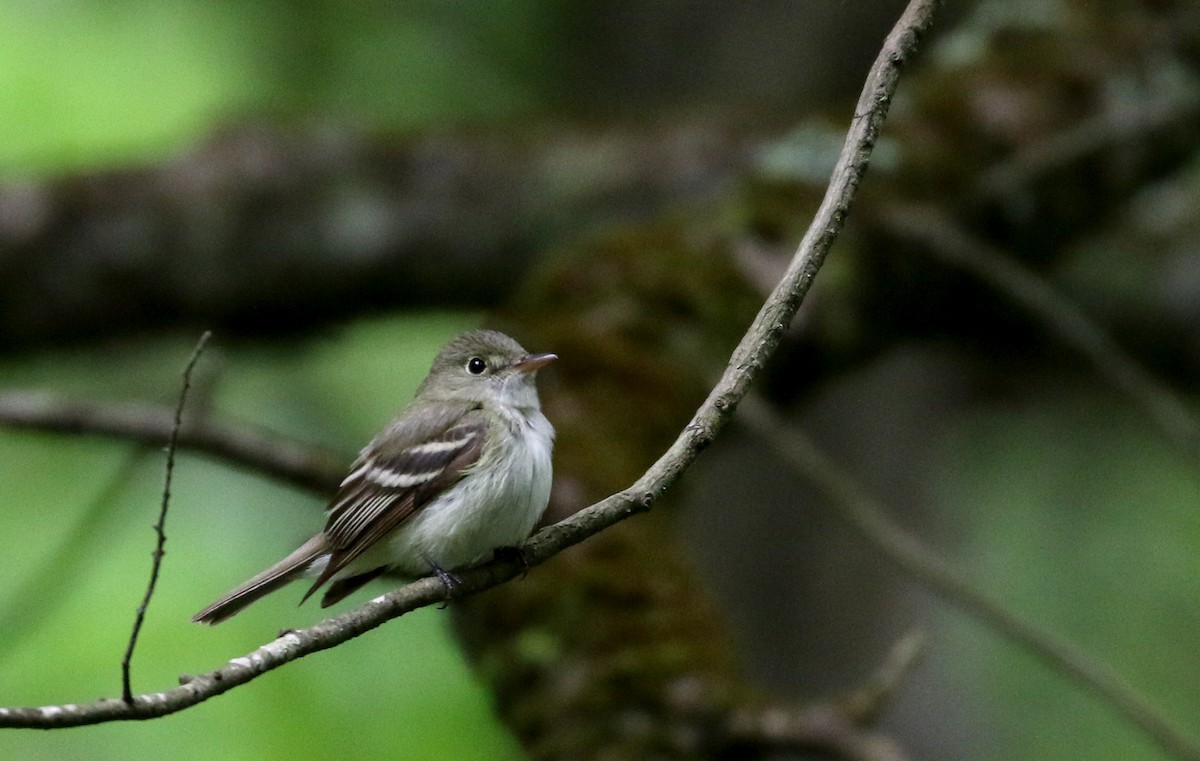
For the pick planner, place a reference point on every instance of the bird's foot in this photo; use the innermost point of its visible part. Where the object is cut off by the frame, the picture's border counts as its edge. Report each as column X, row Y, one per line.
column 451, row 582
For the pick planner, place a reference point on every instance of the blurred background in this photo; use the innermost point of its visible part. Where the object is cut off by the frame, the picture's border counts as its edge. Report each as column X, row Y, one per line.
column 337, row 191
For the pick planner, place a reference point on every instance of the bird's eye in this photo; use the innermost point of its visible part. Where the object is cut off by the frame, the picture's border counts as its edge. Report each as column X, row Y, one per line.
column 476, row 366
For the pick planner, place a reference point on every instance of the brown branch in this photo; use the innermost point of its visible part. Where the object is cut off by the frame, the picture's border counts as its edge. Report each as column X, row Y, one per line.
column 866, row 515
column 272, row 455
column 160, row 527
column 294, row 229
column 748, row 358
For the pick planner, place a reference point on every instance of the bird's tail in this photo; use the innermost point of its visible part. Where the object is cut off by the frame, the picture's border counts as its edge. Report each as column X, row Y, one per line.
column 294, row 566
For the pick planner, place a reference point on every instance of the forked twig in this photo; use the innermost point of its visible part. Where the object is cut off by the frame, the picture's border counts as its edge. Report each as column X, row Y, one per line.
column 160, row 526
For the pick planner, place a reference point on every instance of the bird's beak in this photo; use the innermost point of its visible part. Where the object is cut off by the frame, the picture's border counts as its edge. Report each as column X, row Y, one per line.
column 531, row 362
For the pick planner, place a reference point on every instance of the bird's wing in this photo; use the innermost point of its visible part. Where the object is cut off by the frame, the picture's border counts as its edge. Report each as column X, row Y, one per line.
column 397, row 474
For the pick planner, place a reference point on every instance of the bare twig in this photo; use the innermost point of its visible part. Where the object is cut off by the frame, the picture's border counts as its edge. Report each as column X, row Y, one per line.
column 870, row 519
column 161, row 524
column 272, row 455
column 866, row 703
column 947, row 241
column 748, row 358
column 780, row 728
column 839, row 725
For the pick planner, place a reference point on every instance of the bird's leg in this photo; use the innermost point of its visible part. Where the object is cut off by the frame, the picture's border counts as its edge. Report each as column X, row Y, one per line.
column 448, row 579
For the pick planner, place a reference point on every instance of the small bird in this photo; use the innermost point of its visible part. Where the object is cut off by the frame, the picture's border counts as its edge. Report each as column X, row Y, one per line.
column 464, row 470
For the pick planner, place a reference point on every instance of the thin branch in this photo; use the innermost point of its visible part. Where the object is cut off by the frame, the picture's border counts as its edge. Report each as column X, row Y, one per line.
column 947, row 241
column 837, row 725
column 160, row 526
column 752, row 352
column 781, row 728
column 866, row 703
column 299, row 464
column 869, row 518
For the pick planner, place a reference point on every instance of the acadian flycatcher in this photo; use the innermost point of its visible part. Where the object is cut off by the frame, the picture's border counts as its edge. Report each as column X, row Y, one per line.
column 464, row 470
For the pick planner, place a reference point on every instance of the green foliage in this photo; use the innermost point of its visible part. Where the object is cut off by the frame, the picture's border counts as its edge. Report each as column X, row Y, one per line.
column 86, row 83
column 403, row 687
column 95, row 83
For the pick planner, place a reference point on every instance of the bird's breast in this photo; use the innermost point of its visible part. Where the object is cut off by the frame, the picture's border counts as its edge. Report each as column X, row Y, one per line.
column 496, row 504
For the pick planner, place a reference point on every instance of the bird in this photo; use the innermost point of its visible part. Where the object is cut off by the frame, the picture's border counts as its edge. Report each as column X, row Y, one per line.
column 463, row 470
